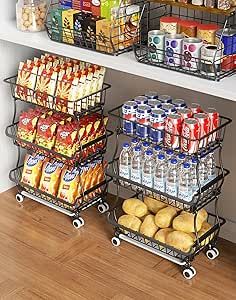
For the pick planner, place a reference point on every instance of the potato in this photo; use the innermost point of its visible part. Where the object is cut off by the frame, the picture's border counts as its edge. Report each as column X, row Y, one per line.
column 162, row 234
column 135, row 207
column 154, row 205
column 185, row 221
column 180, row 240
column 205, row 227
column 131, row 222
column 164, row 217
column 148, row 226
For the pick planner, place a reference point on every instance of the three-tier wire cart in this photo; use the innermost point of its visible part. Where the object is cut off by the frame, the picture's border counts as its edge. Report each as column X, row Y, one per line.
column 87, row 152
column 206, row 194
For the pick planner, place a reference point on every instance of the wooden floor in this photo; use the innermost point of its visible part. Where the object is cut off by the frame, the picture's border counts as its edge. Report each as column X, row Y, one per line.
column 43, row 257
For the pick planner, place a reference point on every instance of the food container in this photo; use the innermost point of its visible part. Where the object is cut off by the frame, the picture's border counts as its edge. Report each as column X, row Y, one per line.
column 183, row 1
column 227, row 37
column 169, row 24
column 156, row 44
column 173, row 47
column 210, row 3
column 207, row 32
column 223, row 4
column 31, row 14
column 197, row 2
column 188, row 28
column 210, row 63
column 191, row 53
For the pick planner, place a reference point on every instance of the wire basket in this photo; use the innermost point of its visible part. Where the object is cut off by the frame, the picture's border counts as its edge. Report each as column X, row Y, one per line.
column 190, row 56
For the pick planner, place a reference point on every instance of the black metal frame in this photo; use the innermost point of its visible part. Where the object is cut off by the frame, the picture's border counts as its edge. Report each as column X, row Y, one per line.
column 88, row 40
column 150, row 20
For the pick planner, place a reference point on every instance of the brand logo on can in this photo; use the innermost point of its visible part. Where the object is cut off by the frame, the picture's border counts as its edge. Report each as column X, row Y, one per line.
column 190, row 136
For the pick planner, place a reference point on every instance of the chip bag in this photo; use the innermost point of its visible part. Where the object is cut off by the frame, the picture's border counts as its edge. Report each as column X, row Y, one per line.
column 27, row 125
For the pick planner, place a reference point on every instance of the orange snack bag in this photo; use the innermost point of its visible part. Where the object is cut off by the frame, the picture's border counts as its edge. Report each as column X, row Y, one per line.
column 32, row 170
column 69, row 185
column 50, row 178
column 27, row 125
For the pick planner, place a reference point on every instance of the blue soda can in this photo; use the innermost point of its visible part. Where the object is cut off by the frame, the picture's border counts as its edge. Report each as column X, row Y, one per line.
column 165, row 99
column 141, row 100
column 143, row 120
column 179, row 103
column 169, row 108
column 154, row 104
column 129, row 110
column 157, row 125
column 151, row 95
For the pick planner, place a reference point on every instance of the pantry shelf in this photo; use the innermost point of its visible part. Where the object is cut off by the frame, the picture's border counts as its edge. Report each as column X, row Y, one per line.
column 124, row 63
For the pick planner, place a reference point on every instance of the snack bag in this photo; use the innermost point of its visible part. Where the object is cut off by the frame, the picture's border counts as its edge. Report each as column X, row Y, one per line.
column 50, row 178
column 27, row 125
column 69, row 185
column 32, row 170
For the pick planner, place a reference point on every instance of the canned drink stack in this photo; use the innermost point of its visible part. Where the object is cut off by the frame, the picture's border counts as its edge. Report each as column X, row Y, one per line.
column 151, row 95
column 143, row 120
column 169, row 108
column 157, row 125
column 214, row 117
column 165, row 98
column 141, row 100
column 154, row 104
column 173, row 127
column 190, row 136
column 129, row 110
column 204, row 123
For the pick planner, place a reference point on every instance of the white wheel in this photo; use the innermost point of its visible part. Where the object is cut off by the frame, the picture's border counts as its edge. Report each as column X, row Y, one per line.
column 212, row 253
column 77, row 223
column 19, row 198
column 189, row 273
column 115, row 241
column 103, row 207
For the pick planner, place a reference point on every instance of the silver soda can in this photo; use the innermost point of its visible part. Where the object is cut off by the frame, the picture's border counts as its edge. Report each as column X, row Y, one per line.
column 156, row 45
column 154, row 104
column 173, row 49
column 165, row 98
column 151, row 95
column 179, row 103
column 191, row 53
column 141, row 100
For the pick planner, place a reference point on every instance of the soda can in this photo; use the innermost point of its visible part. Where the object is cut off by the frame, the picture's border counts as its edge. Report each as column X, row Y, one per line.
column 154, row 104
column 191, row 53
column 173, row 49
column 169, row 108
column 151, row 95
column 190, row 136
column 165, row 98
column 157, row 125
column 129, row 110
column 156, row 45
column 179, row 103
column 173, row 127
column 185, row 113
column 196, row 108
column 143, row 120
column 204, row 122
column 141, row 100
column 214, row 117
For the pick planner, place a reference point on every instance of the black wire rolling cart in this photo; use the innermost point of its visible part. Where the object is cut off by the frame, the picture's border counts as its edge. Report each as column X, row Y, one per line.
column 87, row 152
column 207, row 193
column 215, row 65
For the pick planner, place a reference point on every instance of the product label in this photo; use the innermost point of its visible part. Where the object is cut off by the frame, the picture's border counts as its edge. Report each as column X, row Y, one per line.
column 171, row 189
column 147, row 180
column 159, row 184
column 136, row 176
column 185, row 194
column 124, row 172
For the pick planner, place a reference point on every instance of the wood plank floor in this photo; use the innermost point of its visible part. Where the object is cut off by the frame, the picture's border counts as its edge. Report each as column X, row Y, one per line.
column 43, row 257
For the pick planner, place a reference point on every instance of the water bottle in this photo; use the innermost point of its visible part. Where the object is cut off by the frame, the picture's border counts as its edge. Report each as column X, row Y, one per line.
column 211, row 166
column 169, row 155
column 202, row 171
column 160, row 174
column 185, row 183
column 124, row 161
column 156, row 151
column 136, row 165
column 172, row 178
column 134, row 143
column 181, row 160
column 194, row 175
column 145, row 147
column 148, row 168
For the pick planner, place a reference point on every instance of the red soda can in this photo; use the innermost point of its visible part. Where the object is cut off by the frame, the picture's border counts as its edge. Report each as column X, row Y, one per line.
column 185, row 113
column 204, row 122
column 173, row 127
column 190, row 136
column 196, row 108
column 214, row 117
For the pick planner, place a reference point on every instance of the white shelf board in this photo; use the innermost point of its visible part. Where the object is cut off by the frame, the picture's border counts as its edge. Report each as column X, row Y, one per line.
column 126, row 63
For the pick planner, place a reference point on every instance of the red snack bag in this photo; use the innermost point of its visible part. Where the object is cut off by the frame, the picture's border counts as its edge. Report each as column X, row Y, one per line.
column 27, row 125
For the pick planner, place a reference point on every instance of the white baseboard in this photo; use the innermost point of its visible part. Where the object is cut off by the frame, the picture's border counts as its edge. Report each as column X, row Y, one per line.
column 228, row 231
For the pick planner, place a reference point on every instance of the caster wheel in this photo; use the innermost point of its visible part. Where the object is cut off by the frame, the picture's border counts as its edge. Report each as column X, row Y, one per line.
column 77, row 223
column 102, row 208
column 212, row 253
column 19, row 198
column 189, row 273
column 115, row 241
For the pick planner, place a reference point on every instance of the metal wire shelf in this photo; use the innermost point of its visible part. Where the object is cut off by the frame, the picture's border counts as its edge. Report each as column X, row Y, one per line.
column 88, row 104
column 112, row 38
column 219, row 66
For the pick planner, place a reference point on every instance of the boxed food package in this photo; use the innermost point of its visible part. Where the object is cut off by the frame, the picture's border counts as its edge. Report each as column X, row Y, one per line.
column 68, row 25
column 77, row 4
column 65, row 4
column 96, row 8
column 87, row 5
column 107, row 33
column 56, row 23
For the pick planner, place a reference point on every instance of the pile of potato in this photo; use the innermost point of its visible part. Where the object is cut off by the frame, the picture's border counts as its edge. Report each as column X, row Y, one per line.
column 32, row 17
column 164, row 223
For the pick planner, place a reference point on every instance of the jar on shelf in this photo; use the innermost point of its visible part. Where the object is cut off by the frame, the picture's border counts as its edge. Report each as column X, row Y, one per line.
column 197, row 2
column 188, row 28
column 223, row 4
column 31, row 14
column 169, row 24
column 207, row 32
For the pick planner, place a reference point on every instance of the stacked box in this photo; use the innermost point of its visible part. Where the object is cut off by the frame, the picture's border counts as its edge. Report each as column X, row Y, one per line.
column 66, row 4
column 68, row 25
column 56, row 23
column 77, row 4
column 107, row 33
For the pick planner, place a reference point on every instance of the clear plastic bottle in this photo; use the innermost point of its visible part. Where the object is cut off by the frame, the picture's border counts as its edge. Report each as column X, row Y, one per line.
column 172, row 178
column 124, row 161
column 148, row 169
column 160, row 174
column 181, row 159
column 136, row 165
column 195, row 187
column 169, row 155
column 145, row 147
column 134, row 143
column 202, row 171
column 157, row 149
column 185, row 183
column 211, row 166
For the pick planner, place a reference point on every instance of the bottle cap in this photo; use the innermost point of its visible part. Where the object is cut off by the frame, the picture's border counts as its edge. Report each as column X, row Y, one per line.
column 174, row 161
column 161, row 156
column 157, row 148
column 134, row 141
column 126, row 145
column 137, row 149
column 146, row 144
column 186, row 165
column 169, row 152
column 148, row 152
column 181, row 156
column 194, row 160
